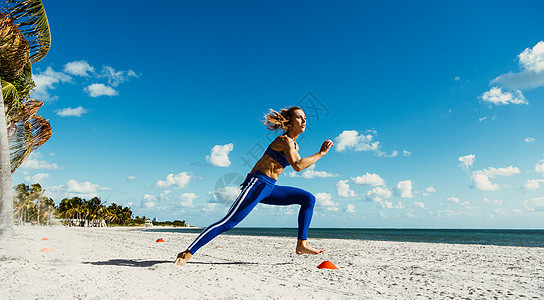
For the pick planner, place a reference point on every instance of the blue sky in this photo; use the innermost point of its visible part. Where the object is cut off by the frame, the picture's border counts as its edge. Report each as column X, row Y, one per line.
column 435, row 108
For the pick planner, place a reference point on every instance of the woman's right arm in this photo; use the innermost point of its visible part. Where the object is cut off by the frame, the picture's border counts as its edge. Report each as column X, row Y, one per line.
column 300, row 164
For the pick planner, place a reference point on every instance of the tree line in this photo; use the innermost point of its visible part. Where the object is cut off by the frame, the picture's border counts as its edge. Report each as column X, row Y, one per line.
column 31, row 206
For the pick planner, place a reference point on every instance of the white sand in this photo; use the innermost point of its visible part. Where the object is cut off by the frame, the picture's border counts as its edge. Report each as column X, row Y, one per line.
column 114, row 263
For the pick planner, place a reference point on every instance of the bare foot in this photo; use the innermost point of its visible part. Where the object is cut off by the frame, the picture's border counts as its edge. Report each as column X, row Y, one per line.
column 183, row 258
column 304, row 248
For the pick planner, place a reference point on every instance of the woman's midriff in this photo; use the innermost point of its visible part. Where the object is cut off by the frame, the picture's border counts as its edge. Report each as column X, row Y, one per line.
column 268, row 166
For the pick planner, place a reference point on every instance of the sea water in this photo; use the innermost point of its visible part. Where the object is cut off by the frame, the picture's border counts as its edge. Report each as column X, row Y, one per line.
column 501, row 237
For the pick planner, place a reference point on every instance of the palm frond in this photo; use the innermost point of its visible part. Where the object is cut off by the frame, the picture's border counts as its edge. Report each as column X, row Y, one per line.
column 24, row 83
column 14, row 49
column 11, row 96
column 16, row 92
column 12, row 101
column 27, row 133
column 32, row 20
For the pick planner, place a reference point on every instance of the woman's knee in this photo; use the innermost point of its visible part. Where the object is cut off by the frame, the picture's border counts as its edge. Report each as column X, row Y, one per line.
column 308, row 200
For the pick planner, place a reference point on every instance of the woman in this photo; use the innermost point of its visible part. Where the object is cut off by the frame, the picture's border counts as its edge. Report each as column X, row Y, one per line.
column 259, row 186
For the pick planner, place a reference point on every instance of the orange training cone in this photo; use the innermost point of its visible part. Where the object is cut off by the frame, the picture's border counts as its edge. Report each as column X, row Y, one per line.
column 45, row 239
column 47, row 250
column 160, row 241
column 327, row 265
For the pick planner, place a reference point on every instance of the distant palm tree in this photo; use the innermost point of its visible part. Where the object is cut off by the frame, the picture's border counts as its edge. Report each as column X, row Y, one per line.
column 71, row 209
column 46, row 210
column 24, row 38
column 25, row 208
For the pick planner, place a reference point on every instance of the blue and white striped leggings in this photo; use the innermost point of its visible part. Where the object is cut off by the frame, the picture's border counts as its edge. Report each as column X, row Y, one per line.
column 259, row 188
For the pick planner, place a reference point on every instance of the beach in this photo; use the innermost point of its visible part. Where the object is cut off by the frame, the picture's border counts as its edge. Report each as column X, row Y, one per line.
column 115, row 263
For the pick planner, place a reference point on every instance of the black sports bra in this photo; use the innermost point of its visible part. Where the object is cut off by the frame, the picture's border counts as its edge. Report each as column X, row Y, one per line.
column 278, row 156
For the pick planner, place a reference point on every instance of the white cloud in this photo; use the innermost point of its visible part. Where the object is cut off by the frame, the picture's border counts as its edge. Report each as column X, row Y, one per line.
column 34, row 162
column 351, row 139
column 493, row 172
column 539, row 167
column 186, row 199
column 219, row 155
column 84, row 189
column 480, row 178
column 453, row 199
column 148, row 201
column 521, row 80
column 419, row 204
column 428, row 191
column 533, row 184
column 225, row 194
column 496, row 201
column 71, row 112
column 210, row 207
column 531, row 62
column 535, row 204
column 131, row 177
column 350, row 208
column 79, row 68
column 404, row 189
column 482, row 182
column 529, row 140
column 343, row 190
column 325, row 200
column 492, row 118
column 310, row 172
column 178, row 181
column 385, row 204
column 46, row 81
column 378, row 194
column 496, row 96
column 499, row 211
column 406, row 153
column 395, row 153
column 533, row 59
column 369, row 179
column 164, row 195
column 117, row 77
column 50, row 79
column 99, row 89
column 37, row 178
column 467, row 161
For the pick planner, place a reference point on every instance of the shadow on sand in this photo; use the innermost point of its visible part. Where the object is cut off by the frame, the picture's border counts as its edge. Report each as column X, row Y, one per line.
column 128, row 262
column 236, row 263
column 148, row 263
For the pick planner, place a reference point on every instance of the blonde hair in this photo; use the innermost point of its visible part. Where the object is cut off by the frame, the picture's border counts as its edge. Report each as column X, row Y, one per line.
column 280, row 120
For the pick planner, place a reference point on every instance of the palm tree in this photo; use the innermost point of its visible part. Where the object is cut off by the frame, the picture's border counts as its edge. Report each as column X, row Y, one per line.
column 31, row 205
column 47, row 209
column 114, row 213
column 24, row 38
column 71, row 209
column 25, row 208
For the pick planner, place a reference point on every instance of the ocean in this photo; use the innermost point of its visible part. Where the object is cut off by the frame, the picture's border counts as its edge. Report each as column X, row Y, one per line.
column 501, row 237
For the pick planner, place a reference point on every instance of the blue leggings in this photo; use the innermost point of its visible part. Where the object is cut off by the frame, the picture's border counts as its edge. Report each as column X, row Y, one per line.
column 259, row 188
